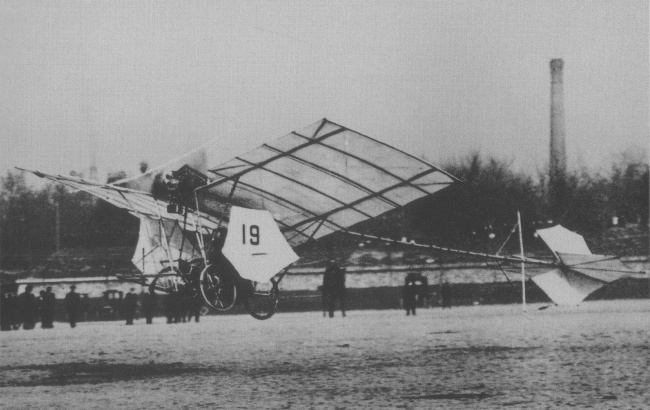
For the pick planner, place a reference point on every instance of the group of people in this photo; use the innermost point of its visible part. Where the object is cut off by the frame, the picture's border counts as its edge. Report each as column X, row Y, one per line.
column 27, row 309
column 416, row 290
column 181, row 306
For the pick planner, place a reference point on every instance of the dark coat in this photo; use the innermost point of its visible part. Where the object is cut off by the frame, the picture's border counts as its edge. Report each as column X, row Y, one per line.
column 334, row 279
column 72, row 304
column 48, row 305
column 149, row 303
column 130, row 304
column 409, row 292
column 28, row 310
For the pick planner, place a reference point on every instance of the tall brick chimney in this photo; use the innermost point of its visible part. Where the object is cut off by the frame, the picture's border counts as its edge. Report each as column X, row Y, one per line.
column 557, row 169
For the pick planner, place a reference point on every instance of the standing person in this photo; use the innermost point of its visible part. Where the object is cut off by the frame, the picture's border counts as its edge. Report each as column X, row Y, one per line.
column 445, row 293
column 149, row 302
column 4, row 312
column 423, row 291
column 48, row 303
column 28, row 308
column 84, row 307
column 178, row 305
column 72, row 304
column 409, row 292
column 41, row 310
column 129, row 305
column 8, row 311
column 14, row 315
column 326, row 290
column 194, row 305
column 336, row 286
column 169, row 303
column 184, row 303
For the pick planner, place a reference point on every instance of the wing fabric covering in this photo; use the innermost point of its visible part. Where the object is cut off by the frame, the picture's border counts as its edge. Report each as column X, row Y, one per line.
column 322, row 179
column 581, row 272
column 137, row 202
column 152, row 253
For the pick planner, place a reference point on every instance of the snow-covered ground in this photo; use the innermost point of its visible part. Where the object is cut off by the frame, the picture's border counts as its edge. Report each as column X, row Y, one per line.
column 595, row 355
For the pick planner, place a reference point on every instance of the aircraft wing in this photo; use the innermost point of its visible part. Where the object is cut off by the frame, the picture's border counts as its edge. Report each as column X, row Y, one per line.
column 314, row 181
column 137, row 202
column 321, row 179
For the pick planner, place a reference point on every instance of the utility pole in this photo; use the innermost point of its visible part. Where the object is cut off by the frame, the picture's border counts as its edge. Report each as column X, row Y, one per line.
column 523, row 264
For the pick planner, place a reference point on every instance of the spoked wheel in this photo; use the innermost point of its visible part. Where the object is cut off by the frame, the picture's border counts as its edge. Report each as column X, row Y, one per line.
column 218, row 292
column 262, row 299
column 167, row 281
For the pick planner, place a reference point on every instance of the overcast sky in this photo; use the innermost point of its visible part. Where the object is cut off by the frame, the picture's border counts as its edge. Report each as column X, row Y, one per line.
column 149, row 80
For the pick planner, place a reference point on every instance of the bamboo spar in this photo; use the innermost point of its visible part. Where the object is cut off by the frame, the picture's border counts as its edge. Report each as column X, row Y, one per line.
column 523, row 264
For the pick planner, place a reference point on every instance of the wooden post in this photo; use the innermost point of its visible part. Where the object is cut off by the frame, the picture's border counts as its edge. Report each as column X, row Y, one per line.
column 523, row 264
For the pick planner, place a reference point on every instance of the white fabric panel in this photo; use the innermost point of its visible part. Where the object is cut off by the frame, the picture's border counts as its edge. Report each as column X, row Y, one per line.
column 566, row 288
column 562, row 240
column 255, row 246
column 150, row 252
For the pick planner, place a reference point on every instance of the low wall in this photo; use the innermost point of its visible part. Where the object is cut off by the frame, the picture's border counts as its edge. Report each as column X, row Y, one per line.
column 379, row 298
column 376, row 287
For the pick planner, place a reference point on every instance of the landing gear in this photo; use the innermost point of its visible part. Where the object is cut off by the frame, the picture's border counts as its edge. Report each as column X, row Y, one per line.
column 261, row 299
column 218, row 291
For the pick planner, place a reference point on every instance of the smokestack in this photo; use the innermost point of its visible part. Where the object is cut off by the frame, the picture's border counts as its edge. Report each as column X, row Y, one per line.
column 557, row 170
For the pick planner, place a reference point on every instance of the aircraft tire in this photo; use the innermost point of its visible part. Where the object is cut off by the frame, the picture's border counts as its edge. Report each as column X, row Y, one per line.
column 262, row 305
column 218, row 293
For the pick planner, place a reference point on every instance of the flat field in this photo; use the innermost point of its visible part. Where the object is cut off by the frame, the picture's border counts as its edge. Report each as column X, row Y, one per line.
column 596, row 355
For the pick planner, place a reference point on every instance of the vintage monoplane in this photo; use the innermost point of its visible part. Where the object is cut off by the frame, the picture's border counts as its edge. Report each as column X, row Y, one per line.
column 282, row 196
column 272, row 199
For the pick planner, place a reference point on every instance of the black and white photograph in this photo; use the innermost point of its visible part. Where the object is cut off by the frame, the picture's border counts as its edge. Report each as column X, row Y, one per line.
column 289, row 204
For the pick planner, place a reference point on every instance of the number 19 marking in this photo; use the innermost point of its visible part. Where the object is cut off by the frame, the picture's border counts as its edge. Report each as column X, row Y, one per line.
column 254, row 232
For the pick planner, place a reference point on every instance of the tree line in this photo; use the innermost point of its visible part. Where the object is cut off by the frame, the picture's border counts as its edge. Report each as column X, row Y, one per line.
column 491, row 194
column 486, row 202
